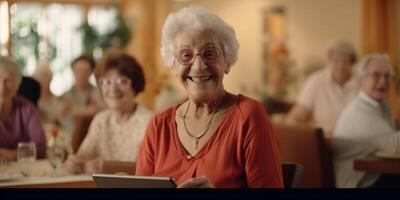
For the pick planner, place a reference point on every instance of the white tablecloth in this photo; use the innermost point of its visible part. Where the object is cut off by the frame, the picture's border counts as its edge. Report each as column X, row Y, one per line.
column 40, row 172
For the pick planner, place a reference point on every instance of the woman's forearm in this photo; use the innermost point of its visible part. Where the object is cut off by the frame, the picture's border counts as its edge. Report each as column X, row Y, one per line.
column 9, row 154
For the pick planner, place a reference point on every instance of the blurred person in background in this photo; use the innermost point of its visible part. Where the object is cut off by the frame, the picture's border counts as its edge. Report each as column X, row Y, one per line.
column 365, row 126
column 19, row 119
column 214, row 138
column 115, row 134
column 327, row 91
column 51, row 108
column 82, row 99
column 30, row 89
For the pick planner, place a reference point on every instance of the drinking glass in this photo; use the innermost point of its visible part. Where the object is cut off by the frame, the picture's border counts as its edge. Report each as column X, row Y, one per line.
column 56, row 156
column 26, row 154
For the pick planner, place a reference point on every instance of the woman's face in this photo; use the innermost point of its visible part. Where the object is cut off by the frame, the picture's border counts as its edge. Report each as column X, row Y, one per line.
column 82, row 71
column 116, row 90
column 200, row 64
column 8, row 85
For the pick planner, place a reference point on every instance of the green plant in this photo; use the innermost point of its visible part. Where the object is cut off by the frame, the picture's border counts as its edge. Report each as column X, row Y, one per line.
column 90, row 38
column 117, row 38
column 26, row 41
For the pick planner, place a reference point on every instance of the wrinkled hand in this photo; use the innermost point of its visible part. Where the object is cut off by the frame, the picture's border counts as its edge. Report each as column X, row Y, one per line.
column 73, row 165
column 93, row 166
column 202, row 182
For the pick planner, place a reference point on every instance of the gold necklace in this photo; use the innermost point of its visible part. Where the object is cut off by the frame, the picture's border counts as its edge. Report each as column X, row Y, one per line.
column 196, row 138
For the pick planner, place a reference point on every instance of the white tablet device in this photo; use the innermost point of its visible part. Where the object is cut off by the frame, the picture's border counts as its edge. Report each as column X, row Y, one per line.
column 127, row 181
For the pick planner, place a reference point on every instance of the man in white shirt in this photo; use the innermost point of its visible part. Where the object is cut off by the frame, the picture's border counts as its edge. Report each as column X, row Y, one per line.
column 327, row 91
column 365, row 125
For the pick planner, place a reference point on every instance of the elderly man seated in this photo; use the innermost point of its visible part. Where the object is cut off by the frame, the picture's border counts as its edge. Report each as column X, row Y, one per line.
column 365, row 126
column 327, row 91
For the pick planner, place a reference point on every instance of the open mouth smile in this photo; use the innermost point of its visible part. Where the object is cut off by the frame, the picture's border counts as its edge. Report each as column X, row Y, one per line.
column 198, row 79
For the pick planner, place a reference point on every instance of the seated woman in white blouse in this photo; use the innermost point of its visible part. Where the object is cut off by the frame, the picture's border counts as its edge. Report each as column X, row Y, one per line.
column 115, row 133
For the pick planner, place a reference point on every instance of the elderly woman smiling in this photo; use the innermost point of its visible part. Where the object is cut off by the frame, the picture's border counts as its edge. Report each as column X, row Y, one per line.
column 19, row 119
column 114, row 134
column 215, row 138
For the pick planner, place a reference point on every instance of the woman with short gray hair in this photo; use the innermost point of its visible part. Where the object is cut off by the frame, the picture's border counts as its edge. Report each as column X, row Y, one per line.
column 19, row 119
column 214, row 138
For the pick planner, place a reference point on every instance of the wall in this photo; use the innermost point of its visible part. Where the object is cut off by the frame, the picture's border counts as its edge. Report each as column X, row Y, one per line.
column 398, row 27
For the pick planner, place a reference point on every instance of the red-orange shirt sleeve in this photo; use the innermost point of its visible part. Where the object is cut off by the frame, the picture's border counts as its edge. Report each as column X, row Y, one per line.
column 261, row 150
column 145, row 160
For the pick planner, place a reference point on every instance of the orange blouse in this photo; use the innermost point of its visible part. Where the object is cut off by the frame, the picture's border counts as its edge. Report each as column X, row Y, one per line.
column 243, row 152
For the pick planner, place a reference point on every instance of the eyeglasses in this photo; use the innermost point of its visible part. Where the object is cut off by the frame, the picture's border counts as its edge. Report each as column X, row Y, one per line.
column 119, row 82
column 377, row 75
column 209, row 55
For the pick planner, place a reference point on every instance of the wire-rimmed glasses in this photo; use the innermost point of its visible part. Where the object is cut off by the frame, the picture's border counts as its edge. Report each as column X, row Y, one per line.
column 187, row 56
column 119, row 82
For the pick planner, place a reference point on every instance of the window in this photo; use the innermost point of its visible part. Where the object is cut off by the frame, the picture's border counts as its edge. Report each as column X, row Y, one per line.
column 39, row 34
column 4, row 28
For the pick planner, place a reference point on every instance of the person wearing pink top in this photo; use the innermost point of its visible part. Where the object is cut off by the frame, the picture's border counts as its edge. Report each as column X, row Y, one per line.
column 214, row 138
column 19, row 119
column 327, row 91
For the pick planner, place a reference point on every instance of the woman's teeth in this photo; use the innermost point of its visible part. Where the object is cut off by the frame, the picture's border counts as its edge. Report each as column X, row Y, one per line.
column 197, row 79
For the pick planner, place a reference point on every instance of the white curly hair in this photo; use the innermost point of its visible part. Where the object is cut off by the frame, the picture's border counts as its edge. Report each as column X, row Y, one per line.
column 197, row 19
column 362, row 69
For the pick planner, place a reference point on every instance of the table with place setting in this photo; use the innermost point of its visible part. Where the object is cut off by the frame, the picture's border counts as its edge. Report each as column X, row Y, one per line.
column 40, row 174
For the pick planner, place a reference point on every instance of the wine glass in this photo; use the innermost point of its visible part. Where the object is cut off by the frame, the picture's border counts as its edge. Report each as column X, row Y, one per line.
column 56, row 156
column 26, row 154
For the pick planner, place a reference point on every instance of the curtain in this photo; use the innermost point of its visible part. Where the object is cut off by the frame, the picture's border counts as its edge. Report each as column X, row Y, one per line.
column 379, row 35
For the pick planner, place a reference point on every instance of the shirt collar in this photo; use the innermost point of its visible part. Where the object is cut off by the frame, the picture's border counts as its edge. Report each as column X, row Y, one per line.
column 380, row 105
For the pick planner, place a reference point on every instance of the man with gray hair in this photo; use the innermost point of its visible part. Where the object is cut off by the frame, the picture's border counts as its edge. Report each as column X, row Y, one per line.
column 327, row 91
column 365, row 126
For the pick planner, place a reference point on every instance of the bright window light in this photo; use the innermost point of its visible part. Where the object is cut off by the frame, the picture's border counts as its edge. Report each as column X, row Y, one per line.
column 4, row 23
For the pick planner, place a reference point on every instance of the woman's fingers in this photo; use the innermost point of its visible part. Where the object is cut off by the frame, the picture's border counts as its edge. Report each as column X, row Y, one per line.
column 93, row 166
column 202, row 182
column 73, row 165
column 186, row 184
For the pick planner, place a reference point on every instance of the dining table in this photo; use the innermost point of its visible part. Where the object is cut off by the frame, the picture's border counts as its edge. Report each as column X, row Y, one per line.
column 40, row 174
column 381, row 162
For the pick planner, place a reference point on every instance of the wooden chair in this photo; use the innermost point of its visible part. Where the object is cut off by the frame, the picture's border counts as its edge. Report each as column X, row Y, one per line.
column 112, row 167
column 80, row 130
column 307, row 146
column 292, row 173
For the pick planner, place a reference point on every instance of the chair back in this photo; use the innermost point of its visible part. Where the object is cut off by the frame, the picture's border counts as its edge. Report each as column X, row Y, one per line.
column 81, row 128
column 112, row 167
column 306, row 146
column 292, row 173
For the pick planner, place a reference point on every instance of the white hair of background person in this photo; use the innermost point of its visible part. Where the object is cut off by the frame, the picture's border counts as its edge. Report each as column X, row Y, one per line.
column 362, row 69
column 197, row 19
column 9, row 64
column 342, row 47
